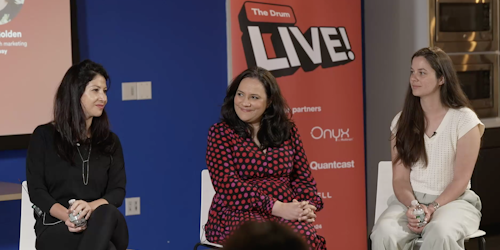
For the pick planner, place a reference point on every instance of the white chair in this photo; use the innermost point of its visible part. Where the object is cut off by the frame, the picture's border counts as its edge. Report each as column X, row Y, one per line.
column 207, row 194
column 27, row 236
column 385, row 190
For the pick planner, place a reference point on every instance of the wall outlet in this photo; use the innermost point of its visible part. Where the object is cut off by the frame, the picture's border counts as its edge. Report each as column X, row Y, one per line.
column 133, row 206
column 129, row 91
column 144, row 91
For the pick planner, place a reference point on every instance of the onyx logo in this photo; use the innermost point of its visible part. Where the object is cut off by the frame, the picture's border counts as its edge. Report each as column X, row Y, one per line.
column 340, row 134
column 293, row 49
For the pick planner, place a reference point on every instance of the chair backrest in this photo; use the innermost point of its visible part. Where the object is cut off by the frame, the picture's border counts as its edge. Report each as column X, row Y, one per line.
column 27, row 236
column 207, row 194
column 384, row 187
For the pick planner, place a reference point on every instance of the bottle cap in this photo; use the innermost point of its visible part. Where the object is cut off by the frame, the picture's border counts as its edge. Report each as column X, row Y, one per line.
column 71, row 201
column 414, row 203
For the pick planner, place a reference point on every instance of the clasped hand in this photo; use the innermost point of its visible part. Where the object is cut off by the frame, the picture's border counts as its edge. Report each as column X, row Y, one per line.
column 295, row 210
column 79, row 207
column 413, row 221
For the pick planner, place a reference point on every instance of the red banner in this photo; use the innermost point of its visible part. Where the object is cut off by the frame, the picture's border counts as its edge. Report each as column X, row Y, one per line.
column 314, row 49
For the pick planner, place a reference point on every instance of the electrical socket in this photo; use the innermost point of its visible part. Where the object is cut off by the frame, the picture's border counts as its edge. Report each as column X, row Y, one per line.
column 129, row 91
column 144, row 91
column 133, row 206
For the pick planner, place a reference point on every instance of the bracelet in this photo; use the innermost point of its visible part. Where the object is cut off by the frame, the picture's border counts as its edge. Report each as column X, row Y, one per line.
column 435, row 205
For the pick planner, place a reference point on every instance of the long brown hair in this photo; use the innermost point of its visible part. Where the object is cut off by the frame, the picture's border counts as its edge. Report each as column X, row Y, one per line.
column 411, row 125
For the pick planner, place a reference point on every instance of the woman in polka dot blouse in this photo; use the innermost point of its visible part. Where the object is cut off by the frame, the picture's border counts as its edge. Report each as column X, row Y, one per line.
column 257, row 163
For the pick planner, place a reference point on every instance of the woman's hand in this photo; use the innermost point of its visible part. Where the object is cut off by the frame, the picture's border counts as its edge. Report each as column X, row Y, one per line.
column 74, row 229
column 429, row 211
column 413, row 221
column 289, row 211
column 308, row 213
column 82, row 207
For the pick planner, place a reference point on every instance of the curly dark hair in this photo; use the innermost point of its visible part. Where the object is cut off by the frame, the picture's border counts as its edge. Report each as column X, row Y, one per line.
column 276, row 122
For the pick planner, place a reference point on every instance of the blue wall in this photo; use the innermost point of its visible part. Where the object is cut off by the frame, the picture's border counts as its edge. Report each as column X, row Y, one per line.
column 181, row 47
column 12, row 169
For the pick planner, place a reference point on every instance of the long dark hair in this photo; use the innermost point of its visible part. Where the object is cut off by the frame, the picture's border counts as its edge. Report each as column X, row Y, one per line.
column 69, row 117
column 275, row 124
column 411, row 126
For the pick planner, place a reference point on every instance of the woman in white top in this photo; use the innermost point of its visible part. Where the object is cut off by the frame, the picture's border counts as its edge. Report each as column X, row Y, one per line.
column 434, row 146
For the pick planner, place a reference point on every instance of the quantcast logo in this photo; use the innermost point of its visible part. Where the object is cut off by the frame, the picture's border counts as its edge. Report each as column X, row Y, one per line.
column 331, row 165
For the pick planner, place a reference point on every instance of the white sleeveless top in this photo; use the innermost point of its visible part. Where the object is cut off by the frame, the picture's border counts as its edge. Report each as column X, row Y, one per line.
column 441, row 150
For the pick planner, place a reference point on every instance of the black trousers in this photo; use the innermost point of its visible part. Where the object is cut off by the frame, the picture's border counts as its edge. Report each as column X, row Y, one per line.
column 106, row 230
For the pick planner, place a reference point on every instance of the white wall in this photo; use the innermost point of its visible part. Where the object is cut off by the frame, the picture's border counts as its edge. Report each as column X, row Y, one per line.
column 394, row 30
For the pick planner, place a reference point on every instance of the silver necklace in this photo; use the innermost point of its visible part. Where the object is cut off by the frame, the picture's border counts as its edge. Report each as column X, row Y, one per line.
column 85, row 181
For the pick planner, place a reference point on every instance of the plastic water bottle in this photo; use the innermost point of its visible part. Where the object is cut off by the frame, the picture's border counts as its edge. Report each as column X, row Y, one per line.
column 418, row 211
column 79, row 222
